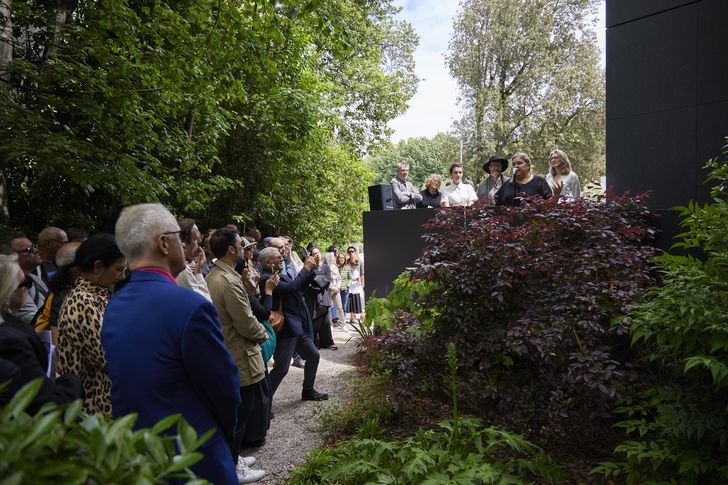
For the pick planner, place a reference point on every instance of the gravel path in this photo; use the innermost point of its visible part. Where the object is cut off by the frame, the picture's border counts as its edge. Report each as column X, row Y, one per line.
column 292, row 435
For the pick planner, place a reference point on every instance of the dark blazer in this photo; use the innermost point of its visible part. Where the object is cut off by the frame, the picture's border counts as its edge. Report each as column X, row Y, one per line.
column 165, row 353
column 25, row 359
column 297, row 319
column 317, row 295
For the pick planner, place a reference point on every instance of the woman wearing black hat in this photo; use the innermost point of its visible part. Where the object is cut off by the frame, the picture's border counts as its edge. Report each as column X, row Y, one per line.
column 494, row 167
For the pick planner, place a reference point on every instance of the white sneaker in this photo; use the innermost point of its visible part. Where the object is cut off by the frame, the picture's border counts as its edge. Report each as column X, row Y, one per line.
column 248, row 460
column 246, row 475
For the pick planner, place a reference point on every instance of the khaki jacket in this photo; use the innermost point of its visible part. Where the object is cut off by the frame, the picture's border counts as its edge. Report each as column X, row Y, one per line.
column 240, row 329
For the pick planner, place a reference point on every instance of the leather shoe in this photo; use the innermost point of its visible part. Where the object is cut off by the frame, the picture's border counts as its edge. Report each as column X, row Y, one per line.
column 314, row 395
column 332, row 347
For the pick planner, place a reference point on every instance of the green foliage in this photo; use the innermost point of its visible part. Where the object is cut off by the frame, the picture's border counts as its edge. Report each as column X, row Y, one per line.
column 677, row 424
column 530, row 80
column 367, row 412
column 461, row 451
column 60, row 444
column 404, row 296
column 253, row 111
column 426, row 156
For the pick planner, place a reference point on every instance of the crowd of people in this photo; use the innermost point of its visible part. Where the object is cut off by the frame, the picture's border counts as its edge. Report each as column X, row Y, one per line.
column 495, row 189
column 161, row 319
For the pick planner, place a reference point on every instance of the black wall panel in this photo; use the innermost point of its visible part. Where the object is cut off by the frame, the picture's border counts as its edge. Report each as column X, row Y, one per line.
column 392, row 242
column 649, row 67
column 712, row 69
column 620, row 11
column 667, row 98
column 653, row 151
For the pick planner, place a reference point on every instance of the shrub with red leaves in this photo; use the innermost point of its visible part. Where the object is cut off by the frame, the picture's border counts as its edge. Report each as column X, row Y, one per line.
column 527, row 295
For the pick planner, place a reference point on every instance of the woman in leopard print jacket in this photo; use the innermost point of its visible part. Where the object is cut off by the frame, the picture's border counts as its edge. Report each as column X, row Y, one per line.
column 101, row 264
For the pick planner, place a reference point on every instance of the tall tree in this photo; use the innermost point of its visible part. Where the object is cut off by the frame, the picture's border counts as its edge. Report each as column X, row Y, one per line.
column 252, row 110
column 530, row 80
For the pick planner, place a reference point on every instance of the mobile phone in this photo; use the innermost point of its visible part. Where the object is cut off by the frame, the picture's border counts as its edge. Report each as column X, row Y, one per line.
column 303, row 253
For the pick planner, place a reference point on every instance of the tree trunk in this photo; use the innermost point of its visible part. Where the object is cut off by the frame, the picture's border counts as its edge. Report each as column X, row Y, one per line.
column 6, row 40
column 6, row 55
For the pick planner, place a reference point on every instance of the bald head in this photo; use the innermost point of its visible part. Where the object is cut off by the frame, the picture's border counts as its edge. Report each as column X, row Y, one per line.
column 277, row 242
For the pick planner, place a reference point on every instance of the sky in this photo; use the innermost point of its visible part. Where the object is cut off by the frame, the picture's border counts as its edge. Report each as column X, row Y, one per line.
column 434, row 107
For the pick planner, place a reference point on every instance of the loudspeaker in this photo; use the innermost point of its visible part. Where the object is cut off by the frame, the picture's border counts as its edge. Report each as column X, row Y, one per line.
column 380, row 197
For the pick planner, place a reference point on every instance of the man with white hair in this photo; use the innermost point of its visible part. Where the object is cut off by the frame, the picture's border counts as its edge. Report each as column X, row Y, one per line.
column 404, row 194
column 297, row 332
column 164, row 345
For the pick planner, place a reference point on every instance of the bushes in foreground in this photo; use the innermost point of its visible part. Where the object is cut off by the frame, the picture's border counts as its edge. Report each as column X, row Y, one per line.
column 527, row 295
column 457, row 451
column 60, row 444
column 677, row 424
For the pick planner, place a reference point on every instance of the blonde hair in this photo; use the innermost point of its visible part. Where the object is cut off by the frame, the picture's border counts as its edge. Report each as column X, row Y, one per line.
column 565, row 167
column 432, row 178
column 9, row 273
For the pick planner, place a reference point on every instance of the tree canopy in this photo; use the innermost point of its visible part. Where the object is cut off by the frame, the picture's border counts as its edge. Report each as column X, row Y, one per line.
column 253, row 110
column 530, row 80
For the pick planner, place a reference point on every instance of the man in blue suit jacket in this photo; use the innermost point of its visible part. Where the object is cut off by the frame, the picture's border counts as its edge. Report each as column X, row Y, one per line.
column 164, row 345
column 297, row 332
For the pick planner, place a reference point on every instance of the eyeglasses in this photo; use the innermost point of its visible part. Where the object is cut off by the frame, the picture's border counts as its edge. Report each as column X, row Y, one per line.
column 179, row 231
column 30, row 249
column 27, row 283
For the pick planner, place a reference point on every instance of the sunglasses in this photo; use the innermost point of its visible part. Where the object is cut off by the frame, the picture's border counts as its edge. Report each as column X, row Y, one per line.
column 30, row 249
column 27, row 283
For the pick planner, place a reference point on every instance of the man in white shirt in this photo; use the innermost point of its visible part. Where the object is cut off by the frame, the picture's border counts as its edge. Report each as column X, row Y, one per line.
column 458, row 192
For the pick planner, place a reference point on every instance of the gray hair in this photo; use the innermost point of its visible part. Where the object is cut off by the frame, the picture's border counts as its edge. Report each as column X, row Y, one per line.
column 9, row 275
column 139, row 226
column 524, row 157
column 403, row 164
column 48, row 234
column 66, row 256
column 266, row 255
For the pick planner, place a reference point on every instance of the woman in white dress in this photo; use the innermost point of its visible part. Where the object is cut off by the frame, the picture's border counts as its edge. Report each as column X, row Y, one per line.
column 561, row 177
column 354, row 305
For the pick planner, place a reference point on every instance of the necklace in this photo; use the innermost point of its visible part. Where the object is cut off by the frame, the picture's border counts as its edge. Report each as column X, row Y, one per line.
column 527, row 179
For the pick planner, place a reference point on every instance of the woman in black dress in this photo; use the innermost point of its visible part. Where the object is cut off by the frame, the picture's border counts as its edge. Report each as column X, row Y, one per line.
column 524, row 183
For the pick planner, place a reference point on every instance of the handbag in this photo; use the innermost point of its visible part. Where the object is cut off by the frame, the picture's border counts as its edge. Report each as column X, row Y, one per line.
column 276, row 319
column 269, row 346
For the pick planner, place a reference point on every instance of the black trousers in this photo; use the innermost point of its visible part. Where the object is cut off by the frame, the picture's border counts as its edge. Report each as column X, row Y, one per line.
column 254, row 411
column 285, row 348
column 322, row 336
